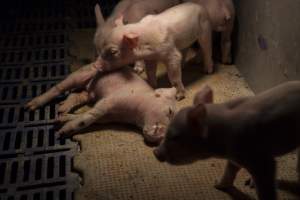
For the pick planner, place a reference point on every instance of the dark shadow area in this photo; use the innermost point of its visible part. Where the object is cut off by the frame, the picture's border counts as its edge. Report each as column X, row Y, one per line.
column 292, row 187
column 190, row 74
column 108, row 127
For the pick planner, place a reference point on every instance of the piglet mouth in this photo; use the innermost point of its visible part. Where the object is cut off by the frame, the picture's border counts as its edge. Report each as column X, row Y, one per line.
column 155, row 135
column 153, row 140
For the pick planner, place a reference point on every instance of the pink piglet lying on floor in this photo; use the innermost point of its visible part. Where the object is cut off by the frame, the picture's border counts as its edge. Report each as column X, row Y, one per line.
column 119, row 96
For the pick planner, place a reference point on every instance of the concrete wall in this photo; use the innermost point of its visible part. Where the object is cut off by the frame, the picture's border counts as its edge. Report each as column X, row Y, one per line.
column 268, row 41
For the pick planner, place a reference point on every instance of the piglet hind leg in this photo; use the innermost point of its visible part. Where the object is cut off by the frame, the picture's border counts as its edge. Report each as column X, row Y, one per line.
column 226, row 45
column 173, row 64
column 229, row 176
column 205, row 42
column 74, row 100
column 151, row 68
column 75, row 123
column 77, row 79
column 263, row 172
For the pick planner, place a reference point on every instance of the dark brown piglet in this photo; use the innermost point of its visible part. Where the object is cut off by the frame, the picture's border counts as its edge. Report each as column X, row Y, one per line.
column 249, row 131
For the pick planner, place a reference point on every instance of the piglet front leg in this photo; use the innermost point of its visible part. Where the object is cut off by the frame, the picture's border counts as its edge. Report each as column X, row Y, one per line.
column 77, row 79
column 205, row 42
column 228, row 178
column 86, row 119
column 73, row 100
column 173, row 63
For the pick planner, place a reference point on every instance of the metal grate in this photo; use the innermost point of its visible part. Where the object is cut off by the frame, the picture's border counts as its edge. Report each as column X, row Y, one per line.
column 34, row 163
column 39, row 40
column 32, row 26
column 31, row 140
column 13, row 115
column 14, row 93
column 40, row 55
column 25, row 173
column 49, row 193
column 33, row 9
column 33, row 73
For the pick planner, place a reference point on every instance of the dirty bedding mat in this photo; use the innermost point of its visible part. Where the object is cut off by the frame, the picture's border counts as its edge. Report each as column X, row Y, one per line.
column 115, row 163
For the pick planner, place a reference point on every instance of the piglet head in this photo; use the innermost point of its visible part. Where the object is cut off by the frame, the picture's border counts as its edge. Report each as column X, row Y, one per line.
column 117, row 48
column 159, row 115
column 112, row 42
column 187, row 133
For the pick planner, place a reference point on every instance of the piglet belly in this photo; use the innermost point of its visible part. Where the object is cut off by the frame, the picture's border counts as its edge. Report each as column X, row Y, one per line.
column 128, row 115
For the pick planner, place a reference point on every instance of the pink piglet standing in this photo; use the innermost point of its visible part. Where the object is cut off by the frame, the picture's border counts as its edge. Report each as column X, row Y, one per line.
column 159, row 38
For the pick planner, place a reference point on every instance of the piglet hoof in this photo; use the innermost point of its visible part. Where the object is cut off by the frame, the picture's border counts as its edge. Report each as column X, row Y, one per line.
column 65, row 132
column 180, row 95
column 138, row 69
column 64, row 108
column 65, row 118
column 32, row 105
column 227, row 60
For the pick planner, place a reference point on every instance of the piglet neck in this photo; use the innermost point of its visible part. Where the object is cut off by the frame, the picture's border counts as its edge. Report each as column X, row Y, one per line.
column 217, row 142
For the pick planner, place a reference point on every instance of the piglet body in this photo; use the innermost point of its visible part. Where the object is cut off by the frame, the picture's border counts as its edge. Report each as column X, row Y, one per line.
column 119, row 96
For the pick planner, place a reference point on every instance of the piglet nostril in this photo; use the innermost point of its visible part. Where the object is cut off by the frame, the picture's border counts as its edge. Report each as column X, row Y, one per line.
column 159, row 155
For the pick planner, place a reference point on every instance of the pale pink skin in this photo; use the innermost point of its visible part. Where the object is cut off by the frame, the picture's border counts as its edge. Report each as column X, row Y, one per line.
column 132, row 11
column 222, row 16
column 159, row 38
column 119, row 96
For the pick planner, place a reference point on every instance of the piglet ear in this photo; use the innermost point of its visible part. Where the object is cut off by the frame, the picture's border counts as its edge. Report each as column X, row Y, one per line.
column 204, row 96
column 99, row 16
column 197, row 115
column 119, row 21
column 130, row 40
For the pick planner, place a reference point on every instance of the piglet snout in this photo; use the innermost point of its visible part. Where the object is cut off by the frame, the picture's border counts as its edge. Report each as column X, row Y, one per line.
column 99, row 64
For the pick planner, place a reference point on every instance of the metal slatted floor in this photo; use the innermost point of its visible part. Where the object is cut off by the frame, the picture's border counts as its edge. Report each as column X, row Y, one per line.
column 34, row 163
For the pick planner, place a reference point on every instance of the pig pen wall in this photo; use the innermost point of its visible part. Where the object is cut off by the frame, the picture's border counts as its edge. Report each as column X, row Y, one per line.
column 268, row 41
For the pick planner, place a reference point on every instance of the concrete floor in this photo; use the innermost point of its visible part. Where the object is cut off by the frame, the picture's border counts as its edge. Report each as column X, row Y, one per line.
column 116, row 164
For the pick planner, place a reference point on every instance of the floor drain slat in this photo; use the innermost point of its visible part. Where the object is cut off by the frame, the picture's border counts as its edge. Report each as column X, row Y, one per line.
column 34, row 162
